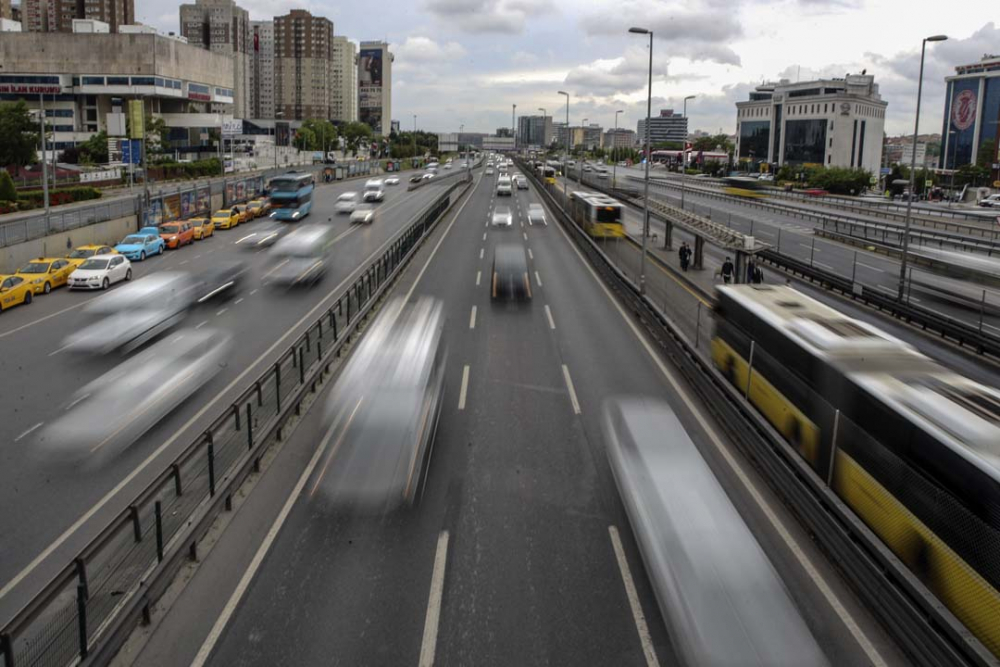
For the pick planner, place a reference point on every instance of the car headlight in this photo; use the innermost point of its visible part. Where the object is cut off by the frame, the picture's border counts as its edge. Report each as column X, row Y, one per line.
column 173, row 238
column 295, row 215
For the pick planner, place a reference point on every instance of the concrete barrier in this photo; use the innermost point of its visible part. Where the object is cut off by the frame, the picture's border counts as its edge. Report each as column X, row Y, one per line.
column 59, row 244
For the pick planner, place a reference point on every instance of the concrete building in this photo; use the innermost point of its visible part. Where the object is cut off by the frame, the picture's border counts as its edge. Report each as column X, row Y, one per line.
column 447, row 142
column 223, row 27
column 586, row 137
column 83, row 77
column 58, row 15
column 971, row 113
column 375, row 86
column 345, row 80
column 593, row 137
column 830, row 122
column 15, row 12
column 495, row 142
column 534, row 130
column 668, row 126
column 303, row 65
column 6, row 11
column 902, row 153
column 261, row 91
column 620, row 138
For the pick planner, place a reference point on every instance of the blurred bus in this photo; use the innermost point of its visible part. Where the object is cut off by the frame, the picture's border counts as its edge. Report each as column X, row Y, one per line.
column 743, row 186
column 291, row 196
column 910, row 446
column 599, row 215
column 546, row 173
column 720, row 597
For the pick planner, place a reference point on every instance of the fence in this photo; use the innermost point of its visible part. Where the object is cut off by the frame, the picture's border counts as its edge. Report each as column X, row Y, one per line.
column 36, row 226
column 84, row 610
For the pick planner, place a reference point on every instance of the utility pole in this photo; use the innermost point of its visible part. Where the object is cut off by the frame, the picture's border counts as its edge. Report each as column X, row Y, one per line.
column 45, row 170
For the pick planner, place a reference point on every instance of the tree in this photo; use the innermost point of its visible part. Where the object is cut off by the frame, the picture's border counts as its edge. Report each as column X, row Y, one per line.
column 305, row 139
column 987, row 153
column 18, row 134
column 7, row 190
column 94, row 150
column 354, row 134
column 156, row 134
column 712, row 143
column 323, row 135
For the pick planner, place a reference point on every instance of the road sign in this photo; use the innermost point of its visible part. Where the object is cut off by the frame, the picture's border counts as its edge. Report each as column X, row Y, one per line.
column 132, row 151
column 996, row 184
column 232, row 127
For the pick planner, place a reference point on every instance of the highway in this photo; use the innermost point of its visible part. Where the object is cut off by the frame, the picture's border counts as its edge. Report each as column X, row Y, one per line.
column 52, row 510
column 519, row 551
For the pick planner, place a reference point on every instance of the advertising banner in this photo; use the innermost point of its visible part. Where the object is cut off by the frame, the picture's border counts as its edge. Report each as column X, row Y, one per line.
column 240, row 190
column 370, row 68
column 154, row 214
column 136, row 119
column 187, row 203
column 229, row 194
column 204, row 199
column 172, row 207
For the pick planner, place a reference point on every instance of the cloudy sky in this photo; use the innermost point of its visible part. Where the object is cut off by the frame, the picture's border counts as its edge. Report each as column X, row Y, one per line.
column 467, row 61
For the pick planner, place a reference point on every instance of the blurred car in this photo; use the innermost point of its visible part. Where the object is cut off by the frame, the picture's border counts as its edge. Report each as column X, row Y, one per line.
column 766, row 177
column 137, row 247
column 489, row 171
column 363, row 214
column 150, row 229
column 383, row 412
column 301, row 257
column 346, row 202
column 374, row 193
column 993, row 201
column 448, row 165
column 246, row 215
column 203, row 228
column 100, row 272
column 510, row 273
column 427, row 176
column 46, row 273
column 522, row 182
column 502, row 217
column 219, row 281
column 536, row 214
column 392, row 180
column 77, row 256
column 14, row 290
column 258, row 207
column 416, row 179
column 132, row 315
column 226, row 218
column 264, row 236
column 110, row 413
column 177, row 233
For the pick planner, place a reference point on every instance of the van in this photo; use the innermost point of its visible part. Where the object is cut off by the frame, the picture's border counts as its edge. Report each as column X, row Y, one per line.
column 504, row 186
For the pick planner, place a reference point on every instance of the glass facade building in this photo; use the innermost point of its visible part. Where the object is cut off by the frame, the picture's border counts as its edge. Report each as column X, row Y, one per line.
column 971, row 114
column 754, row 137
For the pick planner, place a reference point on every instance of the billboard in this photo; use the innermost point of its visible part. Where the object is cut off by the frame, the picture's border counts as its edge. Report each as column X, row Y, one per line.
column 370, row 68
column 370, row 88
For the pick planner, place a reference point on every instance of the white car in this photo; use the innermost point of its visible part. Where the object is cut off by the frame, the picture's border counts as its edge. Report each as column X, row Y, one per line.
column 100, row 272
column 347, row 202
column 427, row 177
column 489, row 171
column 373, row 184
column 504, row 186
column 522, row 182
column 374, row 194
column 392, row 180
column 364, row 214
column 993, row 201
column 447, row 165
column 536, row 214
column 502, row 216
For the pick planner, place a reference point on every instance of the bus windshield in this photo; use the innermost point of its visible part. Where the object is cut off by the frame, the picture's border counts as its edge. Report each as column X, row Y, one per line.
column 284, row 186
column 608, row 214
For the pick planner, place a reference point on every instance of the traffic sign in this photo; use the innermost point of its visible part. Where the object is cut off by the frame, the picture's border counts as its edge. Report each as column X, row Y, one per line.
column 132, row 151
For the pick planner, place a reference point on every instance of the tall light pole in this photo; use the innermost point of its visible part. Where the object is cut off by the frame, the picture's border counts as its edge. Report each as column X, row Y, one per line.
column 45, row 169
column 566, row 160
column 913, row 163
column 583, row 132
column 684, row 162
column 513, row 128
column 414, row 158
column 544, row 116
column 614, row 153
column 649, row 155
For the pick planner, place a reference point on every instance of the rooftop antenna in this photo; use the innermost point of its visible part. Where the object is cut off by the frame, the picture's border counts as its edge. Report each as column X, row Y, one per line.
column 798, row 75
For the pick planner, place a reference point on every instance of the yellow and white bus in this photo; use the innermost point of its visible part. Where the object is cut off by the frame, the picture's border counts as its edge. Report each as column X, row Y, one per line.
column 599, row 215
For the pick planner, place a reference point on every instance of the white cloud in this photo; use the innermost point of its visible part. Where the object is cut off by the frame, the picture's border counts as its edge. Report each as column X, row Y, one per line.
column 488, row 16
column 420, row 49
column 522, row 58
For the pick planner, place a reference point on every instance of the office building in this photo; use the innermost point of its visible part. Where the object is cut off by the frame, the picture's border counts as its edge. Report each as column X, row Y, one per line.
column 375, row 86
column 345, row 80
column 534, row 130
column 303, row 65
column 586, row 137
column 496, row 142
column 971, row 114
column 261, row 91
column 58, row 15
column 223, row 27
column 668, row 126
column 593, row 137
column 620, row 138
column 831, row 122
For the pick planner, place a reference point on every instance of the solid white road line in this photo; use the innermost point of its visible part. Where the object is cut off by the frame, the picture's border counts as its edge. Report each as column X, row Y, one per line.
column 824, row 588
column 548, row 314
column 258, row 558
column 538, row 279
column 47, row 317
column 572, row 391
column 481, row 250
column 633, row 599
column 429, row 644
column 472, row 318
column 530, row 255
column 184, row 262
column 479, row 275
column 825, row 266
column 869, row 266
column 465, row 387
column 29, row 431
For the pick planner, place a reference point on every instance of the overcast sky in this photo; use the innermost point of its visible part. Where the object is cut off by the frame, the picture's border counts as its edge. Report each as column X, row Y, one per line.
column 467, row 61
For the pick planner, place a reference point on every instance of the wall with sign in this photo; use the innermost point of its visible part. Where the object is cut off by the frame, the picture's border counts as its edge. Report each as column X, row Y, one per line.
column 962, row 121
column 370, row 88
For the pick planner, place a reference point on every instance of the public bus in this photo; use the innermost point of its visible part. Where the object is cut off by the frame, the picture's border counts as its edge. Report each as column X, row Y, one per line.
column 547, row 173
column 744, row 186
column 599, row 215
column 910, row 446
column 291, row 196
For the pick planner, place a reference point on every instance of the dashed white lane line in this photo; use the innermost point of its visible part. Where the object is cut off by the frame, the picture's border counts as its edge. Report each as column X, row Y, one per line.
column 237, row 302
column 252, row 292
column 538, row 279
column 55, row 352
column 428, row 646
column 548, row 314
column 472, row 318
column 479, row 276
column 869, row 266
column 633, row 599
column 810, row 247
column 484, row 236
column 184, row 262
column 481, row 250
column 197, row 256
column 219, row 312
column 465, row 387
column 571, row 389
column 201, row 324
column 530, row 255
column 525, row 235
column 29, row 431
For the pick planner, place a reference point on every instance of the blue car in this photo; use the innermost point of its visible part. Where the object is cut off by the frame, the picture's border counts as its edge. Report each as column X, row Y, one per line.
column 137, row 247
column 149, row 230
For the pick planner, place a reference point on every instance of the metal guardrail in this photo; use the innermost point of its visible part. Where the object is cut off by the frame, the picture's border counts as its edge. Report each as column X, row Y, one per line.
column 892, row 232
column 85, row 611
column 919, row 622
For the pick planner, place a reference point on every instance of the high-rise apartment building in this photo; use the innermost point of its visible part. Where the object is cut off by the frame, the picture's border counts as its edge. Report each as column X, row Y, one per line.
column 303, row 65
column 261, row 69
column 58, row 15
column 375, row 86
column 668, row 126
column 222, row 26
column 534, row 130
column 345, row 80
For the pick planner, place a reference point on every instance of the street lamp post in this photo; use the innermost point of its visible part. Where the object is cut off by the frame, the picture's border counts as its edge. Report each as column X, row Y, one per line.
column 45, row 170
column 913, row 164
column 513, row 128
column 645, row 191
column 614, row 153
column 954, row 159
column 583, row 131
column 566, row 160
column 684, row 162
column 414, row 158
column 277, row 114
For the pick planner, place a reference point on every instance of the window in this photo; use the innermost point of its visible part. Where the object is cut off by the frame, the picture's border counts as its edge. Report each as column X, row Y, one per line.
column 93, row 80
column 91, row 115
column 117, row 80
column 159, row 81
column 62, row 128
column 143, row 81
column 58, row 113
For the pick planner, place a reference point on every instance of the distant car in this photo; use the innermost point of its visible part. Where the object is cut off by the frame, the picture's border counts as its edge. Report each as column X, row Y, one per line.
column 46, row 273
column 416, row 179
column 137, row 247
column 502, row 217
column 14, row 290
column 763, row 177
column 81, row 253
column 101, row 272
column 536, row 214
column 522, row 182
column 510, row 273
column 364, row 214
column 203, row 228
column 258, row 207
column 346, row 202
column 427, row 176
column 448, row 166
column 392, row 180
column 504, row 186
column 246, row 215
column 993, row 201
column 177, row 233
column 374, row 191
column 150, row 229
column 489, row 171
column 226, row 218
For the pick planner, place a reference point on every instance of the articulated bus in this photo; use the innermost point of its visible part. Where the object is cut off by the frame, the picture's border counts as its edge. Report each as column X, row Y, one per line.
column 743, row 186
column 910, row 446
column 291, row 196
column 599, row 215
column 547, row 173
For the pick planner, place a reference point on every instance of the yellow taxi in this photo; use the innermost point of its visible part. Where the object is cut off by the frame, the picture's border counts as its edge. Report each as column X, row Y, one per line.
column 203, row 228
column 259, row 207
column 14, row 290
column 82, row 253
column 225, row 218
column 246, row 215
column 45, row 273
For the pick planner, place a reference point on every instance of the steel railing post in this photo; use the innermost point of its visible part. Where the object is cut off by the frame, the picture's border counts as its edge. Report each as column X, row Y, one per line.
column 302, row 366
column 211, row 466
column 833, row 448
column 697, row 329
column 249, row 429
column 277, row 386
column 81, row 613
column 158, row 513
column 136, row 526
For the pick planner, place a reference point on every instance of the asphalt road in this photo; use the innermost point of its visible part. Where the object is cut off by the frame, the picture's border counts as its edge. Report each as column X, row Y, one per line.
column 513, row 555
column 53, row 510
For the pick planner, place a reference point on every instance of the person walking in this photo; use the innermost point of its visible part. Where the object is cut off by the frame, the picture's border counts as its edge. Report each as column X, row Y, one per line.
column 751, row 265
column 758, row 274
column 685, row 256
column 727, row 271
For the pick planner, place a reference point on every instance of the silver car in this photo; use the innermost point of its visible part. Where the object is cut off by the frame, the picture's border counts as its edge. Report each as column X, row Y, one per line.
column 364, row 214
column 301, row 258
column 536, row 215
column 502, row 217
column 346, row 202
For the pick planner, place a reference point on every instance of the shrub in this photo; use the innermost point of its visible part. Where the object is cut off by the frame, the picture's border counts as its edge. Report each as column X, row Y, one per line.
column 7, row 190
column 34, row 198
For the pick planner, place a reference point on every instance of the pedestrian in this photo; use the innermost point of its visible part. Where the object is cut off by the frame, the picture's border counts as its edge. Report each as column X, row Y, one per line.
column 685, row 255
column 758, row 274
column 750, row 270
column 727, row 271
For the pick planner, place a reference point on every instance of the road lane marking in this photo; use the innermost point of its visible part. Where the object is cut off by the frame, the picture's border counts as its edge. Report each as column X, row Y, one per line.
column 220, row 312
column 29, row 431
column 633, row 599
column 227, row 612
column 252, row 292
column 197, row 256
column 525, row 235
column 481, row 253
column 572, row 391
column 825, row 266
column 428, row 646
column 548, row 314
column 47, row 317
column 538, row 279
column 236, row 303
column 472, row 318
column 202, row 324
column 55, row 352
column 465, row 387
column 484, row 236
column 869, row 266
column 479, row 275
column 279, row 265
column 530, row 255
column 186, row 261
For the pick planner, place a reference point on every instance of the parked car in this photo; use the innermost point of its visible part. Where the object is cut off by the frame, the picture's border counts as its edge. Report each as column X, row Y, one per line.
column 137, row 247
column 81, row 253
column 14, row 290
column 177, row 233
column 101, row 272
column 203, row 228
column 993, row 201
column 226, row 218
column 46, row 273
